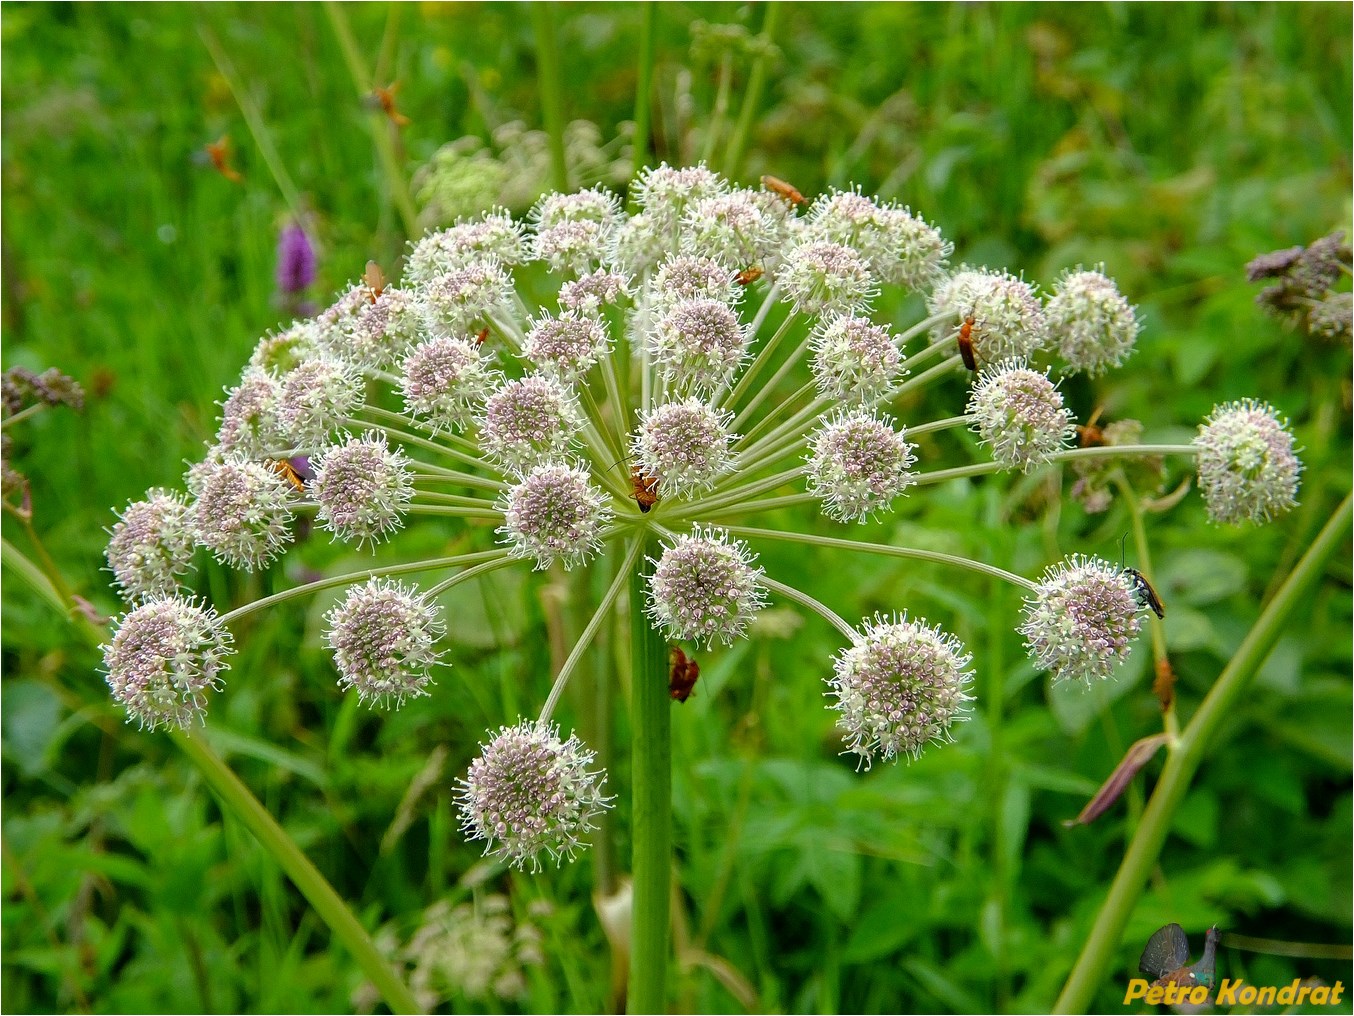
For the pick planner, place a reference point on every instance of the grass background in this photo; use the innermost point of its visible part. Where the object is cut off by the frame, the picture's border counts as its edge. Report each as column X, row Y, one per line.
column 1172, row 142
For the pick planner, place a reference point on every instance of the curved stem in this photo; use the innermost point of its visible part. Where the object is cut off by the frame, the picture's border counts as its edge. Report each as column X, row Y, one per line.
column 817, row 606
column 240, row 802
column 431, row 564
column 879, row 548
column 1067, row 455
column 1183, row 759
column 562, row 678
column 651, row 865
column 470, row 573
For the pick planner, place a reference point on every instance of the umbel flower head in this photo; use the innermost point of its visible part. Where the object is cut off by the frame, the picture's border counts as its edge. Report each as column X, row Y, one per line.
column 1247, row 469
column 1093, row 326
column 1019, row 413
column 164, row 657
column 900, row 686
column 151, row 546
column 555, row 514
column 384, row 639
column 1082, row 619
column 706, row 360
column 858, row 464
column 530, row 794
column 705, row 588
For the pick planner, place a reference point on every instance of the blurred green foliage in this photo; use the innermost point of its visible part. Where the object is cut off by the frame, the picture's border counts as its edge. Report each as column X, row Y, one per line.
column 1172, row 142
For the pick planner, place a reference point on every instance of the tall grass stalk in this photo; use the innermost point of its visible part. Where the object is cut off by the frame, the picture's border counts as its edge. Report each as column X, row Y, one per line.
column 644, row 89
column 381, row 129
column 1183, row 759
column 752, row 97
column 551, row 88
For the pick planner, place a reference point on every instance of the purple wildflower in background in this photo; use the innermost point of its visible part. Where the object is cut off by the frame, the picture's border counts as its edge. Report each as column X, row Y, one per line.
column 295, row 264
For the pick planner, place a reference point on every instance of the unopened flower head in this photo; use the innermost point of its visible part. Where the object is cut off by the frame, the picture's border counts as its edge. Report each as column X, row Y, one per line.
column 1082, row 619
column 1091, row 323
column 900, row 248
column 555, row 514
column 460, row 300
column 705, row 587
column 639, row 243
column 445, row 381
column 1020, row 414
column 249, row 417
column 577, row 247
column 736, row 229
column 826, row 278
column 590, row 293
column 317, row 396
column 665, row 193
column 281, row 353
column 854, row 360
column 384, row 640
column 691, row 277
column 574, row 231
column 1007, row 318
column 529, row 420
column 241, row 513
column 699, row 344
column 496, row 237
column 566, row 346
column 163, row 659
column 151, row 546
column 593, row 205
column 381, row 332
column 1248, row 471
column 900, row 686
column 363, row 488
column 858, row 464
column 531, row 795
column 686, row 445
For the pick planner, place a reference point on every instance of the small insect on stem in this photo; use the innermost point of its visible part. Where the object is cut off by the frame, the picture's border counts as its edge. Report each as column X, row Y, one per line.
column 219, row 154
column 1142, row 589
column 383, row 99
column 682, row 674
column 748, row 276
column 778, row 186
column 644, row 488
column 966, row 344
column 483, row 334
column 375, row 280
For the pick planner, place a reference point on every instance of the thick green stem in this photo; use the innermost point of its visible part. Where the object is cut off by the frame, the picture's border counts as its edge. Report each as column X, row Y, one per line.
column 651, row 866
column 304, row 875
column 551, row 90
column 1184, row 759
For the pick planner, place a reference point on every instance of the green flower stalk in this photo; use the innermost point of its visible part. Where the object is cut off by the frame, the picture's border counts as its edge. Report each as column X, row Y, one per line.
column 708, row 358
